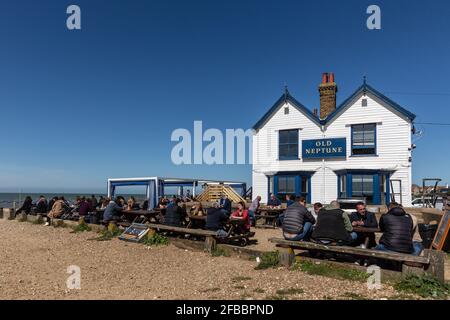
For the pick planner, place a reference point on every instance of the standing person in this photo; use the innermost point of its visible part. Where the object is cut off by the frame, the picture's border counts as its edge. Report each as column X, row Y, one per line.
column 216, row 220
column 367, row 219
column 333, row 225
column 26, row 206
column 242, row 214
column 397, row 227
column 273, row 202
column 298, row 221
column 94, row 201
column 41, row 205
column 253, row 209
column 225, row 204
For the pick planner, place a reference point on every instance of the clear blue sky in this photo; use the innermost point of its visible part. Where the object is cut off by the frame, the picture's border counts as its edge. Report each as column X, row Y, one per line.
column 81, row 106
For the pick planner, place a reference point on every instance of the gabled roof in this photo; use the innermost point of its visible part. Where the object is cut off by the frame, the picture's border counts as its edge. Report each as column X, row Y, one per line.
column 286, row 97
column 365, row 88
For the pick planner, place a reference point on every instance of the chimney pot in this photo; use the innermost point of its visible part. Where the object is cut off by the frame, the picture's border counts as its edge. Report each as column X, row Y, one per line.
column 324, row 77
column 331, row 77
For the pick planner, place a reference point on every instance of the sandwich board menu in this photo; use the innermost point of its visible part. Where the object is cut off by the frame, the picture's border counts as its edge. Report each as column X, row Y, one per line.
column 135, row 232
column 441, row 238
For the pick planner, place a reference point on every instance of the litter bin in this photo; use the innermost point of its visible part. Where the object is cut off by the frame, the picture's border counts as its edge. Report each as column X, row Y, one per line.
column 427, row 233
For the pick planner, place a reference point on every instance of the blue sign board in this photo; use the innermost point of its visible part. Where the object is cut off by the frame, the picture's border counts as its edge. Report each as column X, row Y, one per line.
column 324, row 148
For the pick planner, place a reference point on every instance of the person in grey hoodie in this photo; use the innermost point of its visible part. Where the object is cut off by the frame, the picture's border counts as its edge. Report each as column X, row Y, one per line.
column 298, row 221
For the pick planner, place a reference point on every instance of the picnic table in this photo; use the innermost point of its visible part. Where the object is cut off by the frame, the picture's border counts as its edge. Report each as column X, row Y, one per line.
column 196, row 221
column 140, row 216
column 268, row 216
column 359, row 229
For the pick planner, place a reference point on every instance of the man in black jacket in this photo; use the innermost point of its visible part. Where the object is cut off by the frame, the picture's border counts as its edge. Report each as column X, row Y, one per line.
column 397, row 227
column 175, row 215
column 333, row 225
column 298, row 221
column 367, row 219
column 216, row 219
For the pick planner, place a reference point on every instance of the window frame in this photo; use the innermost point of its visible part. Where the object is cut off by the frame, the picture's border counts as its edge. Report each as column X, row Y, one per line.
column 352, row 147
column 295, row 157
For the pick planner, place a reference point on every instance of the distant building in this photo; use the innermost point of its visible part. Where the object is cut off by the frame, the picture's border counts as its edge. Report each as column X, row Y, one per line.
column 354, row 150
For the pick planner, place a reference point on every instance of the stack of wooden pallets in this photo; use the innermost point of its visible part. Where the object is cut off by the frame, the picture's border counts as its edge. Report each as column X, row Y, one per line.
column 213, row 193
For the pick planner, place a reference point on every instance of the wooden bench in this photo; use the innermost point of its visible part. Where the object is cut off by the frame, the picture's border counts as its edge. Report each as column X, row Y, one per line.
column 431, row 261
column 210, row 236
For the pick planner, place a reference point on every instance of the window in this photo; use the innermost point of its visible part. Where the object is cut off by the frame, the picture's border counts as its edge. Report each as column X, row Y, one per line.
column 286, row 110
column 343, row 186
column 364, row 102
column 363, row 139
column 286, row 185
column 362, row 186
column 304, row 187
column 288, row 145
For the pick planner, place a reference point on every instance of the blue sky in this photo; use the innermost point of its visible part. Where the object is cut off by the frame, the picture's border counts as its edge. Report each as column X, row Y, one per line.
column 81, row 106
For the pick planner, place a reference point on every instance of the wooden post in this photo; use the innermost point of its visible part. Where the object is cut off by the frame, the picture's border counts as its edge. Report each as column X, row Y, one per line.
column 8, row 213
column 210, row 244
column 286, row 256
column 437, row 264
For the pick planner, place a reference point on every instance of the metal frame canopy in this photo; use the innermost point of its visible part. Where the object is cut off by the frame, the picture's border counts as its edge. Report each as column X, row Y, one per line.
column 155, row 185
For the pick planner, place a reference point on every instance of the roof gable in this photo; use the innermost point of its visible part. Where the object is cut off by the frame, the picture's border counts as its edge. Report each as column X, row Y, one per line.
column 365, row 88
column 286, row 97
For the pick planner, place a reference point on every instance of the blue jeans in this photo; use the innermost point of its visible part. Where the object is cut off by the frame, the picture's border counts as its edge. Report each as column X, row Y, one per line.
column 354, row 236
column 416, row 245
column 251, row 215
column 307, row 229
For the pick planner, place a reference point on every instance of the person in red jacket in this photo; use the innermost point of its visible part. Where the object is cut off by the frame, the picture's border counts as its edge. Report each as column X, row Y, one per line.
column 242, row 213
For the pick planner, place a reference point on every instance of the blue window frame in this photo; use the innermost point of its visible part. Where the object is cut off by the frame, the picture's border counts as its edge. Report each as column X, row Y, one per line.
column 297, row 184
column 364, row 139
column 288, row 144
column 371, row 185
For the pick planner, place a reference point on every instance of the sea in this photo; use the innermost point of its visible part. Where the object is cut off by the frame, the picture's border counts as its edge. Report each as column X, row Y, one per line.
column 15, row 200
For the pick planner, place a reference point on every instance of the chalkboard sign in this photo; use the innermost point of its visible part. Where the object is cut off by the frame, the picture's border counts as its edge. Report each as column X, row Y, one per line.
column 134, row 233
column 440, row 239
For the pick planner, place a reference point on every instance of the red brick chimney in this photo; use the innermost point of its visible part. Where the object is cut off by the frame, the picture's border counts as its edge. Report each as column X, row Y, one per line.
column 327, row 91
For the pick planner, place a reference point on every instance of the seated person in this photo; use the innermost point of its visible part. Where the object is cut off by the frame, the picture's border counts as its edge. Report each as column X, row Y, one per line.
column 216, row 219
column 145, row 205
column 298, row 221
column 397, row 227
column 273, row 202
column 242, row 214
column 333, row 225
column 41, row 205
column 175, row 215
column 290, row 199
column 225, row 204
column 113, row 210
column 51, row 203
column 84, row 207
column 316, row 209
column 364, row 218
column 58, row 209
column 26, row 206
column 197, row 210
column 130, row 204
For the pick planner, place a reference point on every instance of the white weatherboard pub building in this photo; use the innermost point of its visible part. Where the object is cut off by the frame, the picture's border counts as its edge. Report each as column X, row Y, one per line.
column 360, row 149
